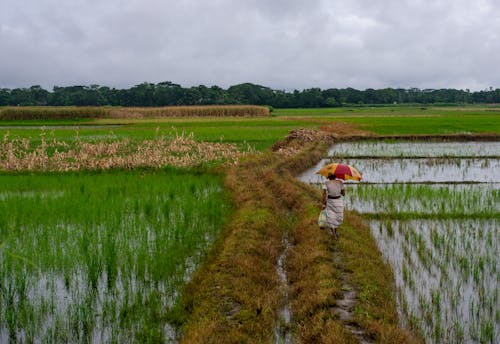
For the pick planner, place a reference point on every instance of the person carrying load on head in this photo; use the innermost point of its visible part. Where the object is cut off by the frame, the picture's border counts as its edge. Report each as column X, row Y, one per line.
column 333, row 190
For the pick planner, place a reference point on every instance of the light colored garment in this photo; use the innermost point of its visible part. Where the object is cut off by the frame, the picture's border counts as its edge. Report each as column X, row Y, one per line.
column 334, row 212
column 333, row 187
column 334, row 207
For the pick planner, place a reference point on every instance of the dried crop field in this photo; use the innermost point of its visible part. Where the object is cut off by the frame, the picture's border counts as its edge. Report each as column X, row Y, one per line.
column 56, row 155
column 71, row 112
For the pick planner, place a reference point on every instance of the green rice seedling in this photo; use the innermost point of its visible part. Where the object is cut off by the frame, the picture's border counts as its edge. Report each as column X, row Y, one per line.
column 102, row 256
column 418, row 201
column 436, row 300
column 390, row 230
column 444, row 290
column 405, row 150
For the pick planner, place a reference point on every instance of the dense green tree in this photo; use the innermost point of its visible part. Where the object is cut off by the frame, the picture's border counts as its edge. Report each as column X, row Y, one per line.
column 248, row 93
column 168, row 93
column 5, row 97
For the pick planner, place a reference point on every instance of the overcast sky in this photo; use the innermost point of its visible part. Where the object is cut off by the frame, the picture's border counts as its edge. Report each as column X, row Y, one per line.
column 283, row 44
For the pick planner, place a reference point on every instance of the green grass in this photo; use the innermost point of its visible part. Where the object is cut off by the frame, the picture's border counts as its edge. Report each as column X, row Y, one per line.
column 413, row 120
column 259, row 133
column 389, row 110
column 262, row 133
column 432, row 125
column 102, row 256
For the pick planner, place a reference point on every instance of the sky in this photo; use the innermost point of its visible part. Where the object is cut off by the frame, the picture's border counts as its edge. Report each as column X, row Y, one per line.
column 282, row 44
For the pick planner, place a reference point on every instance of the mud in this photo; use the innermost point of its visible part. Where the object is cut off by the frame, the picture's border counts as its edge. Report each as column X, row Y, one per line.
column 282, row 333
column 345, row 306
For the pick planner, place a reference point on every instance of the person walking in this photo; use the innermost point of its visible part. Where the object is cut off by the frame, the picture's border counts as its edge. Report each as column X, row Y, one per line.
column 333, row 190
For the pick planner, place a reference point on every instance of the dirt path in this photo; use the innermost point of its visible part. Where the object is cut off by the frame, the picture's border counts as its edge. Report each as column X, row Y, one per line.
column 254, row 282
column 345, row 306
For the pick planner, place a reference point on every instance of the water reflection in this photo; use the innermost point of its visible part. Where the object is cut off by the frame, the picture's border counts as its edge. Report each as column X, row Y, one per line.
column 416, row 170
column 415, row 149
column 446, row 275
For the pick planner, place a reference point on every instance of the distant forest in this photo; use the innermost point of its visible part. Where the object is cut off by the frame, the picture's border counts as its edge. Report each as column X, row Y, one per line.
column 168, row 93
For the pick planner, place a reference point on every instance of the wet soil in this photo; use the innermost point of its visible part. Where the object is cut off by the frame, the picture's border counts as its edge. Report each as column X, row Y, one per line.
column 345, row 306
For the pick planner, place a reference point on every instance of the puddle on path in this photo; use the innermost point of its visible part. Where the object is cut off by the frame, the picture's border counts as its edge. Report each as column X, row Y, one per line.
column 282, row 331
column 345, row 306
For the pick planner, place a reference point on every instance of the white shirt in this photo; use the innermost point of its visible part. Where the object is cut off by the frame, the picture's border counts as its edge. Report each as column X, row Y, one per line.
column 333, row 187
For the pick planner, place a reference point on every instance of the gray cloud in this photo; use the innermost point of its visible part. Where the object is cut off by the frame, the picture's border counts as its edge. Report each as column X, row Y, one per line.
column 282, row 44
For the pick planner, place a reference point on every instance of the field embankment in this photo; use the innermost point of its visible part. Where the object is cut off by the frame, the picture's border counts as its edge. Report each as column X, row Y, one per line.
column 70, row 112
column 237, row 296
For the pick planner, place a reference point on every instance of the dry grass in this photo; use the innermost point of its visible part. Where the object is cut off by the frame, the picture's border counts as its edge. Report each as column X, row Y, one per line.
column 73, row 112
column 314, row 281
column 53, row 155
column 234, row 297
column 343, row 130
column 191, row 111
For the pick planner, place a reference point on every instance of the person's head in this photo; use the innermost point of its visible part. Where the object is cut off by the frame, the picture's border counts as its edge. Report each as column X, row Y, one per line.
column 332, row 176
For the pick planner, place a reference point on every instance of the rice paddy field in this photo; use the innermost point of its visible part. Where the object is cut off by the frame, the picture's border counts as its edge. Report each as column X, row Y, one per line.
column 434, row 210
column 102, row 257
column 99, row 234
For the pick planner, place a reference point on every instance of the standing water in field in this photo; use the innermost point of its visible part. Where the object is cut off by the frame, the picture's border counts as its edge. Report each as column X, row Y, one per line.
column 447, row 276
column 101, row 257
column 415, row 149
column 442, row 240
column 419, row 170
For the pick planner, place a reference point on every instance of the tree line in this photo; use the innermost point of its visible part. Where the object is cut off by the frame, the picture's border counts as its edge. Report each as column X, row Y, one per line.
column 168, row 93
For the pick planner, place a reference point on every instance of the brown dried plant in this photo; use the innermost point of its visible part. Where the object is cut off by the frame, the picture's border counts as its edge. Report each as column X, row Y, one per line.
column 182, row 150
column 72, row 112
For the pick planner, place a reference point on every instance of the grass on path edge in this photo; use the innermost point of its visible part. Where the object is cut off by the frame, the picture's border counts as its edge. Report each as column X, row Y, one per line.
column 236, row 295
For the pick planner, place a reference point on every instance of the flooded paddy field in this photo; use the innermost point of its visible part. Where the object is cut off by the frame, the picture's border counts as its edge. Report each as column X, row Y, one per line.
column 434, row 210
column 425, row 200
column 418, row 170
column 101, row 257
column 446, row 276
column 415, row 149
